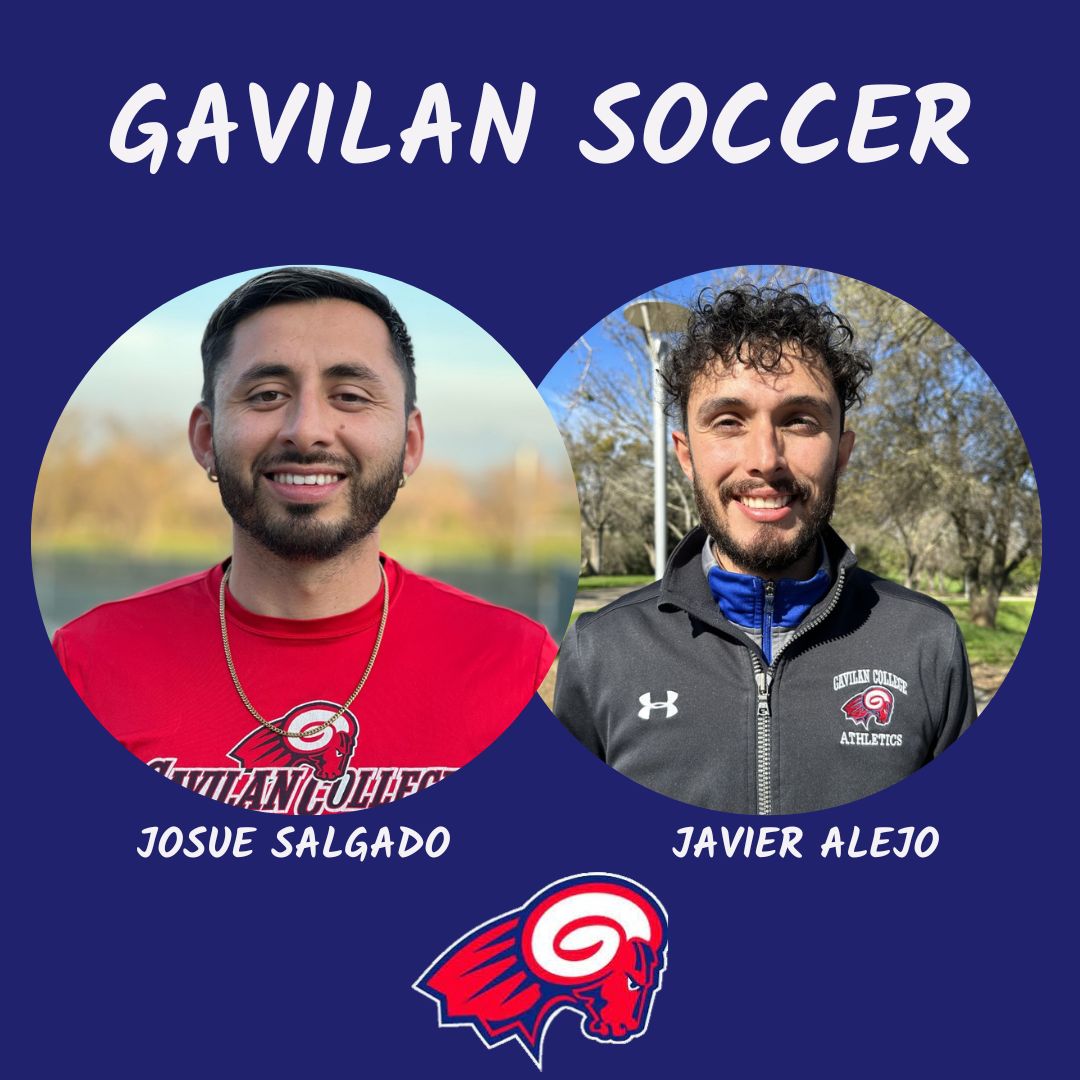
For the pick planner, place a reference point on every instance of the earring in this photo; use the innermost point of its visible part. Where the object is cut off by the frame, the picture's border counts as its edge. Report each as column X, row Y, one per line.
column 211, row 475
column 401, row 482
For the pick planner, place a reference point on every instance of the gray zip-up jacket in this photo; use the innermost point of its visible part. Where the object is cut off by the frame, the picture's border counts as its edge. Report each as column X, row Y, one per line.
column 871, row 685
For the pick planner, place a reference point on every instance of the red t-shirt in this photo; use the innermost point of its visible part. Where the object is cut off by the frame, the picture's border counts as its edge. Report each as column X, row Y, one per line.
column 452, row 672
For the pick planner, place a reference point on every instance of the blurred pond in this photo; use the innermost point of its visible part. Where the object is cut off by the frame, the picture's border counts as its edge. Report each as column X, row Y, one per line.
column 68, row 585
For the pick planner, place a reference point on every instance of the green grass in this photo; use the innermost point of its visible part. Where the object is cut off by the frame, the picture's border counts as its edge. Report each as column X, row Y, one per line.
column 614, row 582
column 1000, row 645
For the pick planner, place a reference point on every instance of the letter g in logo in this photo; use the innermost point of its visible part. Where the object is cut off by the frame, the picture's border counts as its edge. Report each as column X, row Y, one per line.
column 648, row 705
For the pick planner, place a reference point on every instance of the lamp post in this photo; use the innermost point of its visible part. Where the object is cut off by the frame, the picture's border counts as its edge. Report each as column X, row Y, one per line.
column 655, row 318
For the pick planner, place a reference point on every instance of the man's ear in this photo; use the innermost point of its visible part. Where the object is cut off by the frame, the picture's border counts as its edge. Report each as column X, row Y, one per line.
column 847, row 443
column 201, row 436
column 682, row 452
column 414, row 443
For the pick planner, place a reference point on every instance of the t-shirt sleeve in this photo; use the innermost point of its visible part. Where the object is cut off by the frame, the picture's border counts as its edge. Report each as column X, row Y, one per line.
column 958, row 703
column 67, row 662
column 572, row 705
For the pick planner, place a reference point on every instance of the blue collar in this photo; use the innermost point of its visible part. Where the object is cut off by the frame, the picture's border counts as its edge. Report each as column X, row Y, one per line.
column 744, row 599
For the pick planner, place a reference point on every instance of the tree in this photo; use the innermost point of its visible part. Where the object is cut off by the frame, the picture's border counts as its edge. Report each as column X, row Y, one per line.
column 937, row 443
column 608, row 433
column 591, row 454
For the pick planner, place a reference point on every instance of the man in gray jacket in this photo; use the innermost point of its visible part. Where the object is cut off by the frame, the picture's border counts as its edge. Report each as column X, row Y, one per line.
column 766, row 672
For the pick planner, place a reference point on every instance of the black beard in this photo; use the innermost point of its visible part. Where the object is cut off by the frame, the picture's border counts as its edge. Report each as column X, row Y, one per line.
column 771, row 551
column 290, row 531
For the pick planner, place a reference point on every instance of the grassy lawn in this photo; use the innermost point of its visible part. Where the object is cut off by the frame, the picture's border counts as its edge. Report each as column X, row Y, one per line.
column 1000, row 645
column 614, row 582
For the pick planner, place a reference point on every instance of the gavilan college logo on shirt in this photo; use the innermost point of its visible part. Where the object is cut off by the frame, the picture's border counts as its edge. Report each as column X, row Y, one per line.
column 328, row 752
column 595, row 944
column 297, row 774
column 871, row 709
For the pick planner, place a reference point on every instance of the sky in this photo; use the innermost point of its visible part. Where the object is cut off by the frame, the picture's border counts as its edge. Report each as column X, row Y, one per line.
column 152, row 376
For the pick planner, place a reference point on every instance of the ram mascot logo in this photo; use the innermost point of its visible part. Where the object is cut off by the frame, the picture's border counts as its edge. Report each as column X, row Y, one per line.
column 327, row 752
column 875, row 704
column 593, row 943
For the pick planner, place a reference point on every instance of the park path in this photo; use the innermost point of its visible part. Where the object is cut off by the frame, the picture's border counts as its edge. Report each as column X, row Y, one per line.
column 592, row 599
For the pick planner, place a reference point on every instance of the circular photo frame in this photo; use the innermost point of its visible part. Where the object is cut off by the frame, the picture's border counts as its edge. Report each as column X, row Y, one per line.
column 811, row 539
column 322, row 570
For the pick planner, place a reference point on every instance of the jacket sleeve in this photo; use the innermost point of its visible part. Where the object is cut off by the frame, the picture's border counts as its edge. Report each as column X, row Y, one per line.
column 572, row 705
column 958, row 696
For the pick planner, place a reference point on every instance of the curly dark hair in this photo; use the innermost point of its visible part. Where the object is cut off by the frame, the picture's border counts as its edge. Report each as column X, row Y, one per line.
column 293, row 285
column 754, row 325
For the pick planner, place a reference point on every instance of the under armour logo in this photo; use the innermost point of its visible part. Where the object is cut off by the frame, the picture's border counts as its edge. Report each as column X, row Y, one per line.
column 647, row 705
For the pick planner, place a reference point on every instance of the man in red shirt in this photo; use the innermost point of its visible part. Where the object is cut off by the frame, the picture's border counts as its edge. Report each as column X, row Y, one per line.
column 308, row 673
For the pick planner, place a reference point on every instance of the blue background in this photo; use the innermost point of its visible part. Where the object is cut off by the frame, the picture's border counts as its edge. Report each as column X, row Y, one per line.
column 147, row 967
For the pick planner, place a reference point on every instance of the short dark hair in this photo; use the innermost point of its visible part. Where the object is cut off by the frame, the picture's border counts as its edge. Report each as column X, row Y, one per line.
column 754, row 324
column 293, row 285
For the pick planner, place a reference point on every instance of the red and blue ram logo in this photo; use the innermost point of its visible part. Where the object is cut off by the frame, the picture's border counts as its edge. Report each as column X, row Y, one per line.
column 592, row 943
column 874, row 704
column 289, row 743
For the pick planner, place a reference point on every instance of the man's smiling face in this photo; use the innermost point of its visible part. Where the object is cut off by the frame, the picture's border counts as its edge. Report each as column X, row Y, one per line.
column 764, row 451
column 309, row 434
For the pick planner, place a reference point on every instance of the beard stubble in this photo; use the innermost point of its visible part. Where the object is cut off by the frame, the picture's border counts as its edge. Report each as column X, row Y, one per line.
column 771, row 550
column 292, row 531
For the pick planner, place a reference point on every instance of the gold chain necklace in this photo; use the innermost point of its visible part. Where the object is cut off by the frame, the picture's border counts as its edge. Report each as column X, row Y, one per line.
column 352, row 697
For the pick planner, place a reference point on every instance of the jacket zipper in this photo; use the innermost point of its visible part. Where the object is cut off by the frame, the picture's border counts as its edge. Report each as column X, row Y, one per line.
column 763, row 678
column 767, row 616
column 763, row 717
column 764, row 777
